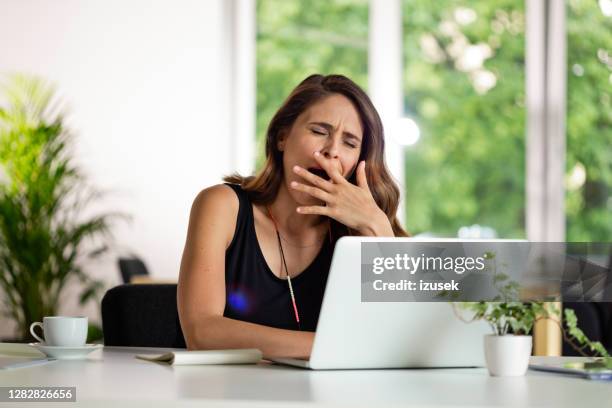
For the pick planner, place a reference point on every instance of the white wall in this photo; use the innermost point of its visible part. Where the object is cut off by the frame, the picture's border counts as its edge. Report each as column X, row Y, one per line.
column 147, row 84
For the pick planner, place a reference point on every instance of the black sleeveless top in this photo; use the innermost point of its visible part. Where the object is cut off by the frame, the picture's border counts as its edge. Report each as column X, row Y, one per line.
column 254, row 294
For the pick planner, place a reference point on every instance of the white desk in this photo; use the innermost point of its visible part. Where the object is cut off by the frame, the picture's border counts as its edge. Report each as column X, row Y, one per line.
column 114, row 378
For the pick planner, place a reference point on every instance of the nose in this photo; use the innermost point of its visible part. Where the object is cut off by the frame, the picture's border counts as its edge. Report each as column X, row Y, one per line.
column 331, row 148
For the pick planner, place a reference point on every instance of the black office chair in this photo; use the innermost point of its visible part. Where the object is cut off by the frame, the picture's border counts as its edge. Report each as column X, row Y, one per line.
column 141, row 316
column 130, row 267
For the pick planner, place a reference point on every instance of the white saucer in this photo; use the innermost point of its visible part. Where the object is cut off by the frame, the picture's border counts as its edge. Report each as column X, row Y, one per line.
column 66, row 353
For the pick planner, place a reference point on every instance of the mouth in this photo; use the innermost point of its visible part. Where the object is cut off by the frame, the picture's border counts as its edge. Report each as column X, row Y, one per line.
column 319, row 172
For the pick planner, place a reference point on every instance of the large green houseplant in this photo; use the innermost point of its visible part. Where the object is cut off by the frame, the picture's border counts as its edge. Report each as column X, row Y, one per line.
column 44, row 237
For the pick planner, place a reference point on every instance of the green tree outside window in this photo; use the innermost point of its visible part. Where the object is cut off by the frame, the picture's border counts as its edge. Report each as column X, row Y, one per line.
column 588, row 203
column 299, row 38
column 464, row 77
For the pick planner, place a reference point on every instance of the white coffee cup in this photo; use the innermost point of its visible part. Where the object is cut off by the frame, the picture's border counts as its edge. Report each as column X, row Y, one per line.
column 62, row 331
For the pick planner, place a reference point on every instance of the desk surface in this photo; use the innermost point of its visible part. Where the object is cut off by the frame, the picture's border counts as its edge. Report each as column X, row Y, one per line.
column 113, row 374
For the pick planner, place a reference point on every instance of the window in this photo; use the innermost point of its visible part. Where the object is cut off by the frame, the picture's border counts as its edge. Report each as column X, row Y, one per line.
column 588, row 182
column 464, row 86
column 298, row 38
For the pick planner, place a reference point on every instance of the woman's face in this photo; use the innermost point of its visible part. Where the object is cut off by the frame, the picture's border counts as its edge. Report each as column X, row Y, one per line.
column 331, row 127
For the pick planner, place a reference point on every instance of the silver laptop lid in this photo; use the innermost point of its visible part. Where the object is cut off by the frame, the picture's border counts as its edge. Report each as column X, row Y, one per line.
column 352, row 334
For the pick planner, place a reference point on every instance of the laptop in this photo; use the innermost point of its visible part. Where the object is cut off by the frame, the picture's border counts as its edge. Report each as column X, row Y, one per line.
column 365, row 335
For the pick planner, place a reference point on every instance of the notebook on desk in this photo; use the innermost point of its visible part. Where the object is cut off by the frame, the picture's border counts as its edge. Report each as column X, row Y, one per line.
column 12, row 363
column 20, row 355
column 205, row 357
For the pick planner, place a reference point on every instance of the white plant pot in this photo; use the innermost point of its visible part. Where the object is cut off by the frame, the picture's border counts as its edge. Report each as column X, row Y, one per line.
column 507, row 356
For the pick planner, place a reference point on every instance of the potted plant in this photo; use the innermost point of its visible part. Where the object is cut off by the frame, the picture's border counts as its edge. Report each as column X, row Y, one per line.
column 42, row 195
column 508, row 349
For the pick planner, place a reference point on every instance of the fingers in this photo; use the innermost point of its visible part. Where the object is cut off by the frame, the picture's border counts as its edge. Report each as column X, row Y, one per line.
column 313, row 179
column 330, row 168
column 313, row 191
column 362, row 180
column 315, row 210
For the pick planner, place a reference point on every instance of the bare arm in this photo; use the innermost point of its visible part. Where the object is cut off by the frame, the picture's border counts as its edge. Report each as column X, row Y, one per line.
column 201, row 287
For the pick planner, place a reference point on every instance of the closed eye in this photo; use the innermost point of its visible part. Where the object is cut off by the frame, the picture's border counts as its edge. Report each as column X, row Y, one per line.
column 319, row 131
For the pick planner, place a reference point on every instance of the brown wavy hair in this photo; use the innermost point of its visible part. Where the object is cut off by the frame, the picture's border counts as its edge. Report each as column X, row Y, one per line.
column 263, row 187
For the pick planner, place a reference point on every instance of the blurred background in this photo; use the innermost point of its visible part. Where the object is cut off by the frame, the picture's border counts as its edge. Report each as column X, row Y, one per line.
column 498, row 113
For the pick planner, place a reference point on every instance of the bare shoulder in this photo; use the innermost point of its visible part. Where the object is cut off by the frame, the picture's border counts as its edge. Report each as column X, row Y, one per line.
column 219, row 196
column 216, row 208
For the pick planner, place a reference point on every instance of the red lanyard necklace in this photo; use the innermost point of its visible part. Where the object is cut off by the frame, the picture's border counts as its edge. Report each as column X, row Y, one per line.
column 282, row 254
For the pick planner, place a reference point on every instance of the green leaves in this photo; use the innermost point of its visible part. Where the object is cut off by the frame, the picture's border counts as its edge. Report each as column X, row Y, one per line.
column 578, row 339
column 519, row 318
column 505, row 314
column 42, row 229
column 468, row 167
column 505, row 317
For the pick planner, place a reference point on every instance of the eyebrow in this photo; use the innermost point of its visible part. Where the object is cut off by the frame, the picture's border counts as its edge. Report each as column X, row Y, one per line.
column 329, row 127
